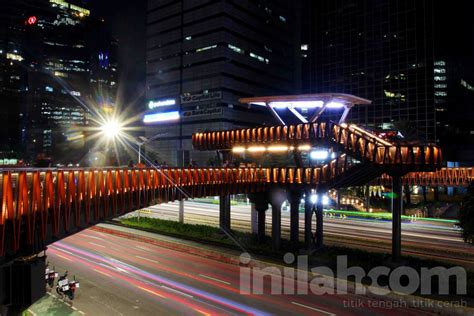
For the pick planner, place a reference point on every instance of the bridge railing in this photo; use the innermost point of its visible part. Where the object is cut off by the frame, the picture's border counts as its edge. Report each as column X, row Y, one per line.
column 40, row 204
column 352, row 140
column 442, row 177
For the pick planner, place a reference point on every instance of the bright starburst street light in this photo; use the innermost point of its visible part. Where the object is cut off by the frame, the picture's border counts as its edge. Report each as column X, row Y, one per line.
column 111, row 129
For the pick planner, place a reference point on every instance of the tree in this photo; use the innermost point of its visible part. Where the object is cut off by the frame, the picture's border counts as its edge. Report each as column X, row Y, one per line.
column 466, row 215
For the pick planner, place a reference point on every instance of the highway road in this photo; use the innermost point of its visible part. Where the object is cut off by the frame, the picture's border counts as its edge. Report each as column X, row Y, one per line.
column 426, row 240
column 120, row 276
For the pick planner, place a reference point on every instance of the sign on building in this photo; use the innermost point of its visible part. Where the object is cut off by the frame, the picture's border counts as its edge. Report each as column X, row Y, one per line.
column 216, row 95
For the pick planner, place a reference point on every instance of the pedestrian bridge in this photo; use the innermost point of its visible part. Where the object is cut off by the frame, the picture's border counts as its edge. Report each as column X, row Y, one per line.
column 41, row 206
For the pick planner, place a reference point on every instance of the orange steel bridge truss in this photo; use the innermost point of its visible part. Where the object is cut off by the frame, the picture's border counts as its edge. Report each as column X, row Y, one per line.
column 350, row 139
column 43, row 205
column 455, row 177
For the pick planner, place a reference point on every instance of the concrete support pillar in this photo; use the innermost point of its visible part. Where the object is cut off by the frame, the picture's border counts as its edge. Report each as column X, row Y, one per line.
column 407, row 194
column 253, row 219
column 224, row 212
column 181, row 212
column 436, row 193
column 21, row 284
column 338, row 199
column 261, row 224
column 276, row 226
column 308, row 216
column 294, row 198
column 367, row 198
column 259, row 207
column 319, row 223
column 423, row 189
column 397, row 210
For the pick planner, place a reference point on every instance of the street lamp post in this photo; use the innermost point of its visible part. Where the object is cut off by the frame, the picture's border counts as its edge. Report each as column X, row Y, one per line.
column 142, row 140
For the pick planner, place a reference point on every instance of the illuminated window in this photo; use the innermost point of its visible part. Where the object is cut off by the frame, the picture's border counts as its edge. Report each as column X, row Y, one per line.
column 440, row 86
column 205, row 48
column 439, row 63
column 467, row 85
column 439, row 71
column 75, row 93
column 236, row 49
column 282, row 18
column 188, row 38
column 14, row 57
column 260, row 58
column 440, row 78
column 304, row 46
column 81, row 11
column 440, row 93
column 390, row 94
column 49, row 89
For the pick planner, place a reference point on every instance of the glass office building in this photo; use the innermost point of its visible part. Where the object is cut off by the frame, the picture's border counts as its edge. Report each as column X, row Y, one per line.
column 202, row 56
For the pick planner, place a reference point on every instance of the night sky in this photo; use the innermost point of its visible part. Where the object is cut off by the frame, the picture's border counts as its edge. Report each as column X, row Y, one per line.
column 126, row 21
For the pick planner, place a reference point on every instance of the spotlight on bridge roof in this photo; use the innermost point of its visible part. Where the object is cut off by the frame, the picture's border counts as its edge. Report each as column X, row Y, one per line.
column 257, row 149
column 238, row 149
column 304, row 147
column 111, row 128
column 334, row 105
column 277, row 148
column 319, row 154
column 296, row 104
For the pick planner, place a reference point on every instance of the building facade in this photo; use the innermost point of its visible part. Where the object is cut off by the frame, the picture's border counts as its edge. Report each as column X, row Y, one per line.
column 66, row 72
column 382, row 50
column 202, row 56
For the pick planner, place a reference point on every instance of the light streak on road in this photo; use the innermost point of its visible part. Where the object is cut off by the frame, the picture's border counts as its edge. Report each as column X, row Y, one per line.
column 176, row 285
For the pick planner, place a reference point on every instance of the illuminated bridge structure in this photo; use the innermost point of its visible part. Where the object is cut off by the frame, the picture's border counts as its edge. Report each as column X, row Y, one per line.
column 447, row 177
column 40, row 206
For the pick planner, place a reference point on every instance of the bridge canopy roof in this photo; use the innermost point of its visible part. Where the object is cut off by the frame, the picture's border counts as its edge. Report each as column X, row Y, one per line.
column 318, row 102
column 315, row 97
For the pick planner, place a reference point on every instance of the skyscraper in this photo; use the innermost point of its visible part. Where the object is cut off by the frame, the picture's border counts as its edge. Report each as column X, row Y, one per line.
column 65, row 66
column 382, row 50
column 202, row 56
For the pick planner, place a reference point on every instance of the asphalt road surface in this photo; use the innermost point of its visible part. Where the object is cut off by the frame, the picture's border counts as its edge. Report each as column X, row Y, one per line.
column 120, row 276
column 430, row 240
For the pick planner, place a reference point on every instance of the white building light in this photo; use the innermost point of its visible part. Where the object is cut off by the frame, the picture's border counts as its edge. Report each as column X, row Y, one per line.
column 161, row 117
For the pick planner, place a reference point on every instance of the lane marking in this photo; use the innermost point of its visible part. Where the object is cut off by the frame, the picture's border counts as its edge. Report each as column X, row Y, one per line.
column 214, row 279
column 63, row 257
column 313, row 308
column 81, row 312
column 103, row 273
column 65, row 251
column 74, row 308
column 179, row 292
column 151, row 291
column 32, row 313
column 93, row 237
column 147, row 259
column 142, row 248
column 93, row 243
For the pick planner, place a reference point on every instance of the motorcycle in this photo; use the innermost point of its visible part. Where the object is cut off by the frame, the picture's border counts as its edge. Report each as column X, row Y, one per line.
column 50, row 276
column 66, row 287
